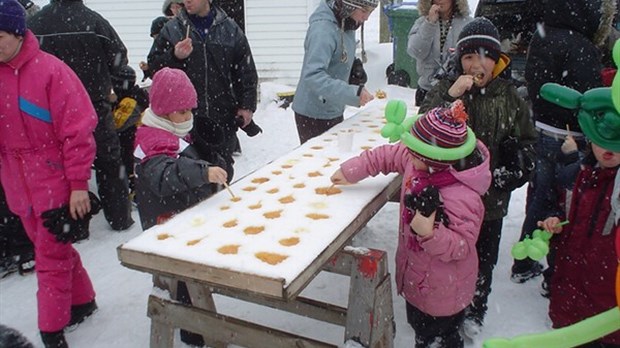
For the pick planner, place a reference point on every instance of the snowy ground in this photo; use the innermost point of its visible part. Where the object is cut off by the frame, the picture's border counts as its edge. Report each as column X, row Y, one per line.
column 122, row 293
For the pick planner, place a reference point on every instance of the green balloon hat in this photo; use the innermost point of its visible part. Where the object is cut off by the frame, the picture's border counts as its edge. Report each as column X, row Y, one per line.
column 599, row 118
column 598, row 109
column 398, row 127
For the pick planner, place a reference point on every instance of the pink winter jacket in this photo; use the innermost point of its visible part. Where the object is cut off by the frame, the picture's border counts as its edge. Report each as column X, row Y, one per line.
column 46, row 131
column 439, row 276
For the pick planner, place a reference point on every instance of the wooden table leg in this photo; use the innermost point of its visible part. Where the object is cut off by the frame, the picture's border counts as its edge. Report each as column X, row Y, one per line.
column 202, row 298
column 370, row 313
column 162, row 333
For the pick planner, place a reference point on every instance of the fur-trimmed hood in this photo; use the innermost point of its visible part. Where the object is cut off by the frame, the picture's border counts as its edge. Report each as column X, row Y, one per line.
column 592, row 18
column 462, row 7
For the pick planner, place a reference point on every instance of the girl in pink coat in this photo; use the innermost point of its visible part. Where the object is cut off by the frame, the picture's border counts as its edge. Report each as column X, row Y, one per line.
column 46, row 152
column 445, row 170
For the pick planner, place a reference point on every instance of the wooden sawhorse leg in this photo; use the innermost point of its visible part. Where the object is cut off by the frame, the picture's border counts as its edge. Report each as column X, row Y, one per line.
column 370, row 311
column 162, row 334
column 369, row 318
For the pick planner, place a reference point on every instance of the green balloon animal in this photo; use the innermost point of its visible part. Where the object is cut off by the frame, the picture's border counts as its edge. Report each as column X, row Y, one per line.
column 398, row 128
column 599, row 118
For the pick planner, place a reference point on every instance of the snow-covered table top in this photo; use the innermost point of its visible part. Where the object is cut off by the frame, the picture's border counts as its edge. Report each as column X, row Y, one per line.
column 278, row 224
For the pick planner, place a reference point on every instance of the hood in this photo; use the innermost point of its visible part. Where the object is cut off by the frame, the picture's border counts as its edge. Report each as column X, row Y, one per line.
column 502, row 63
column 338, row 15
column 592, row 18
column 477, row 178
column 461, row 7
column 323, row 13
column 29, row 49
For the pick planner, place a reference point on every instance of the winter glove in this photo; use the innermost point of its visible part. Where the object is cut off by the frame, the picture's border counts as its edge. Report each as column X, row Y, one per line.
column 358, row 75
column 67, row 230
column 251, row 129
column 508, row 179
column 426, row 202
column 516, row 163
column 125, row 114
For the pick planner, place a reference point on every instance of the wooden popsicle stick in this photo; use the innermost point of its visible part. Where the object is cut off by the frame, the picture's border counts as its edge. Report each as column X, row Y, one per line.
column 229, row 190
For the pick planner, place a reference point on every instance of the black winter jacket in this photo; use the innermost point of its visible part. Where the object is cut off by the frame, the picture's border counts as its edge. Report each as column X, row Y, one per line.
column 84, row 40
column 564, row 51
column 494, row 115
column 167, row 186
column 168, row 181
column 220, row 67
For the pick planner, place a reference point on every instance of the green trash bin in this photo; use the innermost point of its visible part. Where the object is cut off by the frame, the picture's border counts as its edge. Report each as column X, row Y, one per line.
column 401, row 18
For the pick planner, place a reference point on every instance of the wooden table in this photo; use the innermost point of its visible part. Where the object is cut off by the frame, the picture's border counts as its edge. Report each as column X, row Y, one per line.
column 210, row 246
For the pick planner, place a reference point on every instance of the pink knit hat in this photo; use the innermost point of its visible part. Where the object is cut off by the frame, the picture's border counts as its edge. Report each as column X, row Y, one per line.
column 172, row 91
column 441, row 127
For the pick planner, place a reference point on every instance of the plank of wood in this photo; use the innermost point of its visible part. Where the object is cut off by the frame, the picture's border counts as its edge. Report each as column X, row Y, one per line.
column 162, row 334
column 383, row 326
column 302, row 306
column 180, row 269
column 229, row 329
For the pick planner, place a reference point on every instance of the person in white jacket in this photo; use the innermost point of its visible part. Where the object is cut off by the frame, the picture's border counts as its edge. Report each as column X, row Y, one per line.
column 432, row 37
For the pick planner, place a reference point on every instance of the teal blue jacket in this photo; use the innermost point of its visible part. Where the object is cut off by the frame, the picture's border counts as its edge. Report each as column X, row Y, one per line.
column 323, row 89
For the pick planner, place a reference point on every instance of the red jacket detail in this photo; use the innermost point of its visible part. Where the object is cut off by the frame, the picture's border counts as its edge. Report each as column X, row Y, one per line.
column 583, row 282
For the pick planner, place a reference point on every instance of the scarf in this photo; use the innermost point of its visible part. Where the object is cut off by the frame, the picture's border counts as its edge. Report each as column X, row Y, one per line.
column 149, row 118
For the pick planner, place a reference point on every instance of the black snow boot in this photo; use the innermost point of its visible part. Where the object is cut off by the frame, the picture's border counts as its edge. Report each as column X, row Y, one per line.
column 79, row 313
column 54, row 339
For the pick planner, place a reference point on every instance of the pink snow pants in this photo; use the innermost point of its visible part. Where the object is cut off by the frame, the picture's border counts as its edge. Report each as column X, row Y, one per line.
column 62, row 280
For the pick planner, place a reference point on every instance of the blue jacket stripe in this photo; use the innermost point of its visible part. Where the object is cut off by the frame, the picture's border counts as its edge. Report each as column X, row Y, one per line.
column 35, row 111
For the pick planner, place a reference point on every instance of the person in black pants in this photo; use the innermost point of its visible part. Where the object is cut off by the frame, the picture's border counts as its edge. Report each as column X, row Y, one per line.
column 16, row 250
column 87, row 42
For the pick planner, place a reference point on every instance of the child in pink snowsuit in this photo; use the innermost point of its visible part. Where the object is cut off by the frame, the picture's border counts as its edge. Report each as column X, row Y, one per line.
column 441, row 213
column 46, row 152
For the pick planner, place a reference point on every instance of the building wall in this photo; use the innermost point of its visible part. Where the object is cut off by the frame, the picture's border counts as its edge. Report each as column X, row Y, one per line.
column 132, row 21
column 276, row 33
column 275, row 29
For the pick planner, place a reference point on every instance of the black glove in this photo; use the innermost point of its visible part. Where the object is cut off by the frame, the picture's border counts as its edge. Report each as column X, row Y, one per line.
column 516, row 163
column 67, row 230
column 251, row 129
column 358, row 75
column 508, row 179
column 513, row 154
column 426, row 202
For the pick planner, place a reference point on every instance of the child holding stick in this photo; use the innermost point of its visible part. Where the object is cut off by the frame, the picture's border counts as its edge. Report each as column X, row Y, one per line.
column 445, row 171
column 167, row 180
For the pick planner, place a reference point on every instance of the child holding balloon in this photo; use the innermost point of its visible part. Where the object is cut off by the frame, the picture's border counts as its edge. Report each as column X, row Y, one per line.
column 445, row 171
column 585, row 260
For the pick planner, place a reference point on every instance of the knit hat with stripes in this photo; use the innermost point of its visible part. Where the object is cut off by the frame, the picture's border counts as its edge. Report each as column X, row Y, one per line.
column 479, row 36
column 441, row 127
